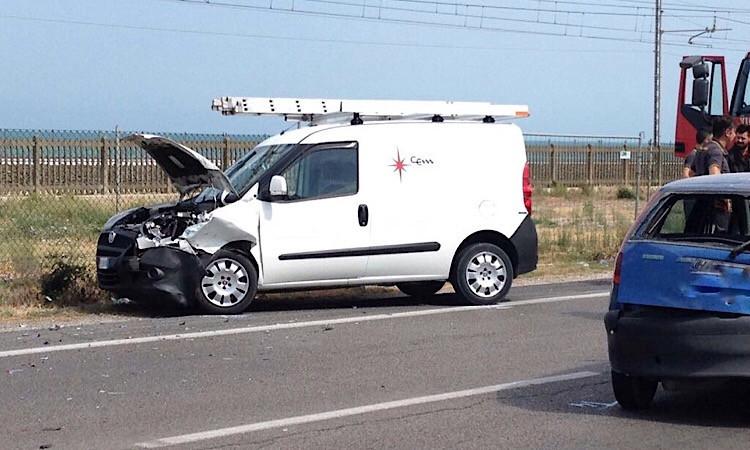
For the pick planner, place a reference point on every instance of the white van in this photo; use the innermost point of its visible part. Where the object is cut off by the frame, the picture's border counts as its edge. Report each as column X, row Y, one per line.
column 411, row 203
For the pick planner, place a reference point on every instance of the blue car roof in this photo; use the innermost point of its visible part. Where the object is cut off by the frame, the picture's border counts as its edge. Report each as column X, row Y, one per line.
column 725, row 183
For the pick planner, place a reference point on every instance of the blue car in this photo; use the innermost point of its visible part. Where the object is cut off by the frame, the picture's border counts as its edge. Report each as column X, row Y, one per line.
column 680, row 302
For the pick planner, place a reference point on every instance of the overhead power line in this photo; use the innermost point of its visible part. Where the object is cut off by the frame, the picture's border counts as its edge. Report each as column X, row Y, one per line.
column 470, row 21
column 569, row 29
column 386, row 6
column 546, row 28
column 646, row 6
column 297, row 38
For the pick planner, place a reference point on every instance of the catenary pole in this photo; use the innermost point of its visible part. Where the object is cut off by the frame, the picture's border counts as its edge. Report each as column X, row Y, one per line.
column 657, row 83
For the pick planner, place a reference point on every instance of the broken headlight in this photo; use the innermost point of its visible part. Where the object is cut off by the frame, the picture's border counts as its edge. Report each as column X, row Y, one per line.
column 193, row 229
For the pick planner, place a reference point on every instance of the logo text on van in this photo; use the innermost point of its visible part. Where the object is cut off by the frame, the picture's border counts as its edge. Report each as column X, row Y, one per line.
column 417, row 161
column 399, row 164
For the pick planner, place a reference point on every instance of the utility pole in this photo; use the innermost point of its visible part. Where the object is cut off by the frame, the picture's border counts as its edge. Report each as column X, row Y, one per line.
column 657, row 82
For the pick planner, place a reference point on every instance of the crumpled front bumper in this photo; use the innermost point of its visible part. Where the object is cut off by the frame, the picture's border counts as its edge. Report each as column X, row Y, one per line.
column 668, row 343
column 151, row 274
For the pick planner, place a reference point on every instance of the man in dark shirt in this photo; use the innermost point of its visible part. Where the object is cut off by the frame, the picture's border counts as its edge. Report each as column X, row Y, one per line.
column 714, row 159
column 702, row 138
column 739, row 157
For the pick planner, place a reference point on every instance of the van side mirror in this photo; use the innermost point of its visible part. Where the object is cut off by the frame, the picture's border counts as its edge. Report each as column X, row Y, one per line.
column 228, row 197
column 278, row 186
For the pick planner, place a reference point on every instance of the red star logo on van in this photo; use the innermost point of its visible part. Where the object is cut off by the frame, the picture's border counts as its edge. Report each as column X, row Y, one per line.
column 399, row 165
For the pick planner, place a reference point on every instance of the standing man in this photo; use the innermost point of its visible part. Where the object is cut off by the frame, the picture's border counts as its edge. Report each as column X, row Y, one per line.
column 702, row 138
column 714, row 159
column 739, row 157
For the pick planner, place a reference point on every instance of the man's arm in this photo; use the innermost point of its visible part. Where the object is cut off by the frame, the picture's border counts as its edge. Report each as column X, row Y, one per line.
column 715, row 160
column 687, row 168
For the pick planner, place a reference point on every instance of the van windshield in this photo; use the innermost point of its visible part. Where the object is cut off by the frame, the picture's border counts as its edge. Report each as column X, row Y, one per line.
column 246, row 171
column 721, row 219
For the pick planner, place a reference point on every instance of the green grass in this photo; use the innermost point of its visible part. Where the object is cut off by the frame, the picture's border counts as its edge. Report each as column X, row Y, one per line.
column 45, row 217
column 39, row 226
column 45, row 235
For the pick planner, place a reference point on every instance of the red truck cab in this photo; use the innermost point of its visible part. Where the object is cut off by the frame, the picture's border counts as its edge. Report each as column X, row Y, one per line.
column 703, row 96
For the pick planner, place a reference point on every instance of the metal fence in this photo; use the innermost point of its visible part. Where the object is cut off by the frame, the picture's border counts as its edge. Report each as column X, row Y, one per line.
column 89, row 162
column 588, row 160
column 57, row 188
column 100, row 162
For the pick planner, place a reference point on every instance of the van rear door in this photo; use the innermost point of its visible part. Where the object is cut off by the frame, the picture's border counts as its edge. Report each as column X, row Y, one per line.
column 682, row 258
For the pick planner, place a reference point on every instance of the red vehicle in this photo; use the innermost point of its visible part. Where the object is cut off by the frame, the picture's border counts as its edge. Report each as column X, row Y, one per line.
column 706, row 78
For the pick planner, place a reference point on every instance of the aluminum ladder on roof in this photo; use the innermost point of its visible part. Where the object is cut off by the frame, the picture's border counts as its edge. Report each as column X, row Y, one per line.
column 317, row 111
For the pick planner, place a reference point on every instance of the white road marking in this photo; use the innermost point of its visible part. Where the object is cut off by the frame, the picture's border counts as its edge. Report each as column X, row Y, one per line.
column 339, row 413
column 536, row 301
column 287, row 326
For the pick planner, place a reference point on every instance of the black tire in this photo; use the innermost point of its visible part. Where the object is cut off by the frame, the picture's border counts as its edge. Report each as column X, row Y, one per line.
column 420, row 288
column 633, row 393
column 228, row 284
column 494, row 274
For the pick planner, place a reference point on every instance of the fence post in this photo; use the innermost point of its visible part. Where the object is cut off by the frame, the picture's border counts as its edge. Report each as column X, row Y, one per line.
column 104, row 166
column 659, row 163
column 638, row 167
column 589, row 165
column 118, row 162
column 625, row 166
column 225, row 155
column 36, row 169
column 553, row 164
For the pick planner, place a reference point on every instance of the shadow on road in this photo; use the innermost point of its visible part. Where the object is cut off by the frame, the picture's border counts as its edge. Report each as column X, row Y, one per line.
column 346, row 299
column 330, row 299
column 711, row 405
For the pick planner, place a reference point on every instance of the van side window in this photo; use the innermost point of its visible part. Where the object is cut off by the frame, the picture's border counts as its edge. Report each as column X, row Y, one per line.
column 324, row 172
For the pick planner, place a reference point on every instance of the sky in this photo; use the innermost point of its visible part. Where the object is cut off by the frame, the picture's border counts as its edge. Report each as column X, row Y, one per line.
column 582, row 66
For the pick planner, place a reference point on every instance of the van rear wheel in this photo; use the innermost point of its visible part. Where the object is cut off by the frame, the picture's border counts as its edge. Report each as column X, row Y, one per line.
column 483, row 274
column 228, row 284
column 420, row 288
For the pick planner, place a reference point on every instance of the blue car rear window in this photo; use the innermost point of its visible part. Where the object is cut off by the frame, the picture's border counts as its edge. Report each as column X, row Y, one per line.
column 701, row 218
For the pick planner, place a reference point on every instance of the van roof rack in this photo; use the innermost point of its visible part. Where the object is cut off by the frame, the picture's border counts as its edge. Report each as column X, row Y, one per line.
column 321, row 111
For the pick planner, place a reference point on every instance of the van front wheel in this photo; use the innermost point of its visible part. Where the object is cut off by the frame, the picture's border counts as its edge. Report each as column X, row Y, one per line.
column 483, row 274
column 420, row 288
column 228, row 284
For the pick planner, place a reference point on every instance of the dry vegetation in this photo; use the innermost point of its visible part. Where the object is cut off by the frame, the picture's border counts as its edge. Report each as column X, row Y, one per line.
column 580, row 229
column 47, row 254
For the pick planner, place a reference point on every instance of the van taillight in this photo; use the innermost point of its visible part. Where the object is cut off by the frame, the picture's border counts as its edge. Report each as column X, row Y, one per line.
column 618, row 269
column 528, row 188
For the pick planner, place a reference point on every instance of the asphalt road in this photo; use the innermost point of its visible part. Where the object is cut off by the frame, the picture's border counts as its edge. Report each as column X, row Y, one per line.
column 387, row 372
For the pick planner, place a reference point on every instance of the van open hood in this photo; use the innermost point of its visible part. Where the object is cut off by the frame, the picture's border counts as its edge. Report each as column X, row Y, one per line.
column 185, row 167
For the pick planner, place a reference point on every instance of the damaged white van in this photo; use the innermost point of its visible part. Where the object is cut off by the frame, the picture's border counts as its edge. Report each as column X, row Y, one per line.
column 411, row 194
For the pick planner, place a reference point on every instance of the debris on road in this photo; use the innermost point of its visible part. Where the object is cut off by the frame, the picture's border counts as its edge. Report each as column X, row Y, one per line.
column 593, row 405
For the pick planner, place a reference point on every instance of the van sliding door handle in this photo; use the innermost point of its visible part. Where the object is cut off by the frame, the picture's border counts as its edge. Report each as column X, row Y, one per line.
column 364, row 215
